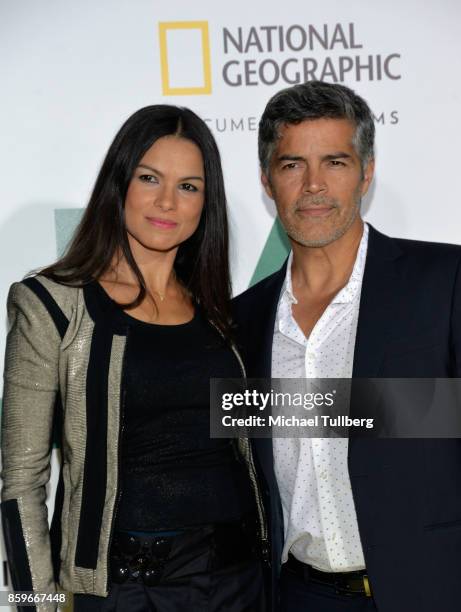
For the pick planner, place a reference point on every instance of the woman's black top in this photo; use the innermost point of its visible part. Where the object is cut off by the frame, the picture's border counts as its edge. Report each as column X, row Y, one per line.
column 173, row 474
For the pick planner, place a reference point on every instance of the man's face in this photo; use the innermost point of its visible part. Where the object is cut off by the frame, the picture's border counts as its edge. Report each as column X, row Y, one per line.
column 316, row 180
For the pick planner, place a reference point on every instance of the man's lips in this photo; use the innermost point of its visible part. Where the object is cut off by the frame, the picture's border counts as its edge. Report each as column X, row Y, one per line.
column 317, row 211
column 162, row 223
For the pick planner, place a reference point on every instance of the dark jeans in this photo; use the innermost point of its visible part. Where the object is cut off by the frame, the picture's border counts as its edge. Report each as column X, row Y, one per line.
column 300, row 596
column 205, row 571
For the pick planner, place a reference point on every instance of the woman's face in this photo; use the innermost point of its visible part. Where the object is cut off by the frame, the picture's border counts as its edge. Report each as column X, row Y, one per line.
column 165, row 197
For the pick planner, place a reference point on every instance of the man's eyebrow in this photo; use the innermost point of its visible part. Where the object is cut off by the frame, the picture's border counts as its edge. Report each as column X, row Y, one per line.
column 328, row 157
column 184, row 178
column 290, row 158
column 337, row 155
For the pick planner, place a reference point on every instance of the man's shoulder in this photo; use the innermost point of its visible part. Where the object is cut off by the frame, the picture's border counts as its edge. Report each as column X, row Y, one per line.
column 431, row 260
column 423, row 252
column 267, row 288
column 422, row 247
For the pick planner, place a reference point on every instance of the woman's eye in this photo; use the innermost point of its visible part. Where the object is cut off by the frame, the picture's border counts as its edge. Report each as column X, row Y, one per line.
column 148, row 178
column 188, row 187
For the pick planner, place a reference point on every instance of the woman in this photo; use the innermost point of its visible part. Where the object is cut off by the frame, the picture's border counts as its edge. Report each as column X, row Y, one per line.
column 119, row 338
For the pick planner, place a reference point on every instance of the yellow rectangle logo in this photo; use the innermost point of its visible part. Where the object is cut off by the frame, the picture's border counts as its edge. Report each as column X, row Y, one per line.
column 165, row 64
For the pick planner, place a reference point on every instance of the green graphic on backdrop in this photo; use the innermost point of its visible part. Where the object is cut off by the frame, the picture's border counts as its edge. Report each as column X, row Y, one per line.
column 273, row 254
column 65, row 221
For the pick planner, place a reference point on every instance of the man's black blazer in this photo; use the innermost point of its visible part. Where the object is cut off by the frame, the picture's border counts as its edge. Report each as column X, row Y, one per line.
column 407, row 492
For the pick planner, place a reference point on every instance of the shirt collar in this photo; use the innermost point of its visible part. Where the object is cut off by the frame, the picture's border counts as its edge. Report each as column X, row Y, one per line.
column 287, row 290
column 352, row 289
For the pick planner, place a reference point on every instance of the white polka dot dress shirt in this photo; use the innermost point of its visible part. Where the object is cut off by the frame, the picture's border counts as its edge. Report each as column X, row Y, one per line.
column 318, row 509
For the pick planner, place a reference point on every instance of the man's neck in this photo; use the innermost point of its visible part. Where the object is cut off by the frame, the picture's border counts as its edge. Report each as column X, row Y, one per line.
column 325, row 270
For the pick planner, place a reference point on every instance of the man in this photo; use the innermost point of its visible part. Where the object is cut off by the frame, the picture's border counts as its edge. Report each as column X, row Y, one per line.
column 360, row 524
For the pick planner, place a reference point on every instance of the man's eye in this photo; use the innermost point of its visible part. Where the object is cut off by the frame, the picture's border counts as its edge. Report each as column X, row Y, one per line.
column 290, row 166
column 148, row 178
column 188, row 187
column 336, row 163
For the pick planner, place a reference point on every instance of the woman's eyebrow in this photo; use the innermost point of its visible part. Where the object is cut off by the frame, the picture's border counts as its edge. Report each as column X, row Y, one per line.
column 184, row 178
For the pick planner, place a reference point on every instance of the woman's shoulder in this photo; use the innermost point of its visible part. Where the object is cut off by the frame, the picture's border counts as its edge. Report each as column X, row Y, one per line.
column 57, row 298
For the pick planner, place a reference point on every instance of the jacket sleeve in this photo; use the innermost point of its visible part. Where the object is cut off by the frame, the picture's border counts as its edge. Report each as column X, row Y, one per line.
column 456, row 323
column 30, row 390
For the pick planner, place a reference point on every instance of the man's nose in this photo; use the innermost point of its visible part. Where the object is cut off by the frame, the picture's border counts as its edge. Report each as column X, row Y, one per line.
column 314, row 181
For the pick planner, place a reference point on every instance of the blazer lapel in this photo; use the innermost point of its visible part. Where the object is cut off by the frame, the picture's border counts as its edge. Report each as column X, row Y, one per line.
column 378, row 304
column 263, row 322
column 378, row 316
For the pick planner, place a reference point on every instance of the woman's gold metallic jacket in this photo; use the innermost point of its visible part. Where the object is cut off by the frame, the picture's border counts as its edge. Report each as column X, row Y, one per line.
column 64, row 361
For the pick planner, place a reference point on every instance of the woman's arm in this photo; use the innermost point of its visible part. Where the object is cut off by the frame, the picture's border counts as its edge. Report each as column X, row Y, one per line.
column 31, row 385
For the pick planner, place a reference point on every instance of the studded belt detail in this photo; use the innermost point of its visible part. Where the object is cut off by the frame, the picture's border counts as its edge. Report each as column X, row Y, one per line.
column 140, row 557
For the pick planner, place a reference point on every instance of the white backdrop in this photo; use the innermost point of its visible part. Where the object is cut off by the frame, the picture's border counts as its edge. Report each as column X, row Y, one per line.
column 72, row 72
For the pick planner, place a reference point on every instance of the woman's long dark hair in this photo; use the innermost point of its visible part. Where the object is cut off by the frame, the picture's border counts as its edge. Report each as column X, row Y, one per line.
column 202, row 263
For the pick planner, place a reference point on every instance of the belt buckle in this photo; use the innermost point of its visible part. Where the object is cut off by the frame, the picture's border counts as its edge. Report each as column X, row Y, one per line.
column 366, row 585
column 342, row 588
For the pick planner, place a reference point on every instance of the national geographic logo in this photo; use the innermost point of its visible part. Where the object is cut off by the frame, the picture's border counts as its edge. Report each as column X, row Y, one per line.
column 268, row 55
column 185, row 73
column 331, row 52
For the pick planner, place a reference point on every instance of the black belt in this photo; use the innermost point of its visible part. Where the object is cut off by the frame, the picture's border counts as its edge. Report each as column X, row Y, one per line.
column 141, row 557
column 344, row 583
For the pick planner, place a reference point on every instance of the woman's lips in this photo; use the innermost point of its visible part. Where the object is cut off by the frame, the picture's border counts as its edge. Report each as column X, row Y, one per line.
column 163, row 223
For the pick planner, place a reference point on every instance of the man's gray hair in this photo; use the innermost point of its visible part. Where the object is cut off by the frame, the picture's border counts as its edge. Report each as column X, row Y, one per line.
column 316, row 100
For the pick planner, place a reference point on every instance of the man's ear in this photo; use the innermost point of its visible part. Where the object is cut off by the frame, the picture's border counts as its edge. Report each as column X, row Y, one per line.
column 267, row 184
column 368, row 176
